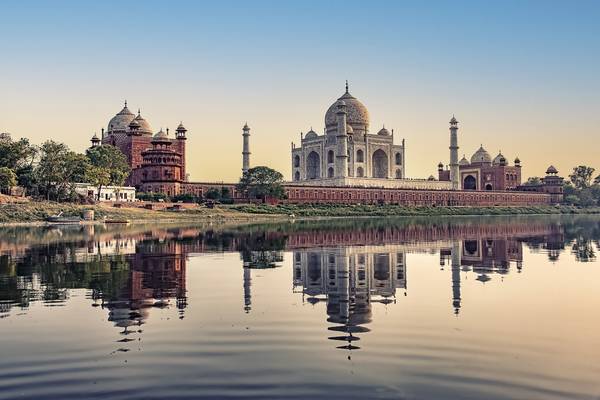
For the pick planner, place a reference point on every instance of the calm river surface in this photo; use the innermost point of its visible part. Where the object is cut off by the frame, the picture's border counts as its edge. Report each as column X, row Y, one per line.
column 457, row 308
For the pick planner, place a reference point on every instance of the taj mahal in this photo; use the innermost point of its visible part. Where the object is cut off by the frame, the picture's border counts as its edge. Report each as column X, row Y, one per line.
column 347, row 154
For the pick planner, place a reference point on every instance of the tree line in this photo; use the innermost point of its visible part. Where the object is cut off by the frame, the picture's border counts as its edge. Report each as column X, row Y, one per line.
column 580, row 189
column 49, row 171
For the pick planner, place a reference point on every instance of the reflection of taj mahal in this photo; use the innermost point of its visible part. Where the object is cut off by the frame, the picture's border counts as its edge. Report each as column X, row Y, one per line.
column 349, row 280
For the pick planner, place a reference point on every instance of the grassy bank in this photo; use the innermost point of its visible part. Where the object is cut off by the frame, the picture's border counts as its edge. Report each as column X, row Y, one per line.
column 34, row 211
column 343, row 210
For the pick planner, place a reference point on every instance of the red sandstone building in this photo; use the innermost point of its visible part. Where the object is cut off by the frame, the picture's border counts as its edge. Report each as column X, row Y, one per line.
column 158, row 165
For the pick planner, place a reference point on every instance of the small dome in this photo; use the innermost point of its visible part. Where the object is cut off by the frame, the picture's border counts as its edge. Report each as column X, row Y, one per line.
column 134, row 124
column 144, row 125
column 160, row 135
column 383, row 132
column 481, row 156
column 499, row 159
column 431, row 178
column 181, row 128
column 440, row 165
column 517, row 161
column 551, row 170
column 463, row 161
column 357, row 114
column 311, row 134
column 453, row 121
column 245, row 128
column 95, row 138
column 120, row 122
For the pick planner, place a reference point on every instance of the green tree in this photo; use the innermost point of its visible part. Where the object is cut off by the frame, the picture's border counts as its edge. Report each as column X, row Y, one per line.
column 581, row 177
column 98, row 177
column 597, row 180
column 533, row 181
column 8, row 179
column 20, row 157
column 213, row 194
column 51, row 171
column 262, row 182
column 17, row 155
column 110, row 164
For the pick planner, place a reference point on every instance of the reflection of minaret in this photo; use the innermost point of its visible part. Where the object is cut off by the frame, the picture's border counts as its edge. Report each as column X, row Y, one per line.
column 247, row 284
column 456, row 276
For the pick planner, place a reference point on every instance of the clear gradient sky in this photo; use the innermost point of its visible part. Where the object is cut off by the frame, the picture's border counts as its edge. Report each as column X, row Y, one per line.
column 520, row 76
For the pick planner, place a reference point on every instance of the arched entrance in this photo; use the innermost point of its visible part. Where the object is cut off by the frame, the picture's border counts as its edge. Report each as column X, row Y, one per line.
column 297, row 176
column 330, row 172
column 470, row 183
column 380, row 164
column 313, row 165
column 488, row 186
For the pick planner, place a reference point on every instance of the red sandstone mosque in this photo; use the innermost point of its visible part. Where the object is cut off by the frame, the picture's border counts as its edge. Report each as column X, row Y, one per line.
column 344, row 164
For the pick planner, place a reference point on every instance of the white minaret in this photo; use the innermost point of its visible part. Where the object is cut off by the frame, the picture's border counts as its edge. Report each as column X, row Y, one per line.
column 454, row 173
column 246, row 149
column 341, row 158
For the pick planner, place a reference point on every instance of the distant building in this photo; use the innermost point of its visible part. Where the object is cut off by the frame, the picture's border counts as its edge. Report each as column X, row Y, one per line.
column 481, row 172
column 155, row 156
column 107, row 193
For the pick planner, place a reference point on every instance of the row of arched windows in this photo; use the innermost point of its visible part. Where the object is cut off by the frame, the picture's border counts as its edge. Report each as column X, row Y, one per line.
column 161, row 160
column 360, row 158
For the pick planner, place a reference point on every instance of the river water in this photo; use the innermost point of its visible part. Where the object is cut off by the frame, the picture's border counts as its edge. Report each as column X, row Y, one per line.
column 456, row 308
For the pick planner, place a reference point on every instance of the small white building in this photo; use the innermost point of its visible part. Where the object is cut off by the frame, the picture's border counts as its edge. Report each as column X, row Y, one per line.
column 107, row 193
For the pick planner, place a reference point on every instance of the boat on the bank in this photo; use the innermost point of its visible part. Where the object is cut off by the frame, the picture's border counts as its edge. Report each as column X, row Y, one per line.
column 60, row 219
column 117, row 221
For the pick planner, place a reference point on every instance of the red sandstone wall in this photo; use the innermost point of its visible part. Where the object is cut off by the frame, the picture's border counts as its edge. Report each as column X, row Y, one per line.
column 303, row 194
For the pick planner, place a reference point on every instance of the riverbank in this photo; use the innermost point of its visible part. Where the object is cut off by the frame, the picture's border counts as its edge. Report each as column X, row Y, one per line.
column 34, row 212
column 359, row 210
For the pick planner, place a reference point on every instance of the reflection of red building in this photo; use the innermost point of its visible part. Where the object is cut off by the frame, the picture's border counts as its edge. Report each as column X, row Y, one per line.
column 156, row 277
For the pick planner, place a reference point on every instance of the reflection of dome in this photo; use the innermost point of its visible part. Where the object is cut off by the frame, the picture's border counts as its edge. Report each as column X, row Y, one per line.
column 463, row 161
column 121, row 121
column 481, row 156
column 357, row 115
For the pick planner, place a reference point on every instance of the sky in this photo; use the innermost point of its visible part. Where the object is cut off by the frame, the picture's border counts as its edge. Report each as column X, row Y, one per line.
column 520, row 76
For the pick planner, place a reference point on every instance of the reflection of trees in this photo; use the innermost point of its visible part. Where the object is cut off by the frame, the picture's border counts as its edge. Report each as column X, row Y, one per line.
column 583, row 249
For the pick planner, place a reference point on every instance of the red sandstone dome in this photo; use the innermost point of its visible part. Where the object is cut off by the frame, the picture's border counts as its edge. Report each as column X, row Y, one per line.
column 121, row 121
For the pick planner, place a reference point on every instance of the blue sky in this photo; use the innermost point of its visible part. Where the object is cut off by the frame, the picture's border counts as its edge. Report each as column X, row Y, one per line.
column 520, row 76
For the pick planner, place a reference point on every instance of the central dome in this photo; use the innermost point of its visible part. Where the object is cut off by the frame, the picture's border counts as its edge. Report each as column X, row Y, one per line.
column 481, row 156
column 120, row 122
column 357, row 115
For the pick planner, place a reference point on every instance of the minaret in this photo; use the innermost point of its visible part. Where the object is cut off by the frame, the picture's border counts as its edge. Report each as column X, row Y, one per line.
column 454, row 172
column 246, row 149
column 341, row 159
